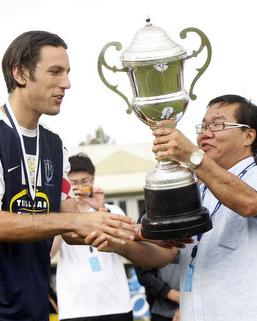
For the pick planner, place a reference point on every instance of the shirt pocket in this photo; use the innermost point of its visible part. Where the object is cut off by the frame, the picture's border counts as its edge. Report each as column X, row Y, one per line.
column 225, row 245
column 230, row 237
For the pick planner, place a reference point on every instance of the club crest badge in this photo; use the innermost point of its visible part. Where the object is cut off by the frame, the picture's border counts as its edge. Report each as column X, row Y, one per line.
column 49, row 170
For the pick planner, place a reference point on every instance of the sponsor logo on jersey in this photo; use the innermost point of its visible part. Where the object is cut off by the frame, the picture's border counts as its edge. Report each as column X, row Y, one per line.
column 21, row 203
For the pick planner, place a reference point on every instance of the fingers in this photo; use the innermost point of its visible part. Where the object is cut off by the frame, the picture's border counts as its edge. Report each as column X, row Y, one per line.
column 159, row 147
column 165, row 139
column 181, row 243
column 138, row 235
column 75, row 235
column 174, row 243
column 103, row 246
column 98, row 190
column 162, row 135
column 123, row 218
column 168, row 123
column 95, row 239
column 103, row 209
column 116, row 229
column 169, row 244
column 90, row 238
column 119, row 233
column 116, row 226
column 165, row 146
column 111, row 240
column 164, row 128
column 102, row 241
column 186, row 241
column 121, row 222
column 163, row 154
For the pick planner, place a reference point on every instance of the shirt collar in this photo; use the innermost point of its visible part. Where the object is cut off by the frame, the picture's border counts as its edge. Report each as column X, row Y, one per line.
column 240, row 166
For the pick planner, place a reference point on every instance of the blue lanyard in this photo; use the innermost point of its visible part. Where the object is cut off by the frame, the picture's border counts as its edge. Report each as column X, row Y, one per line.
column 217, row 206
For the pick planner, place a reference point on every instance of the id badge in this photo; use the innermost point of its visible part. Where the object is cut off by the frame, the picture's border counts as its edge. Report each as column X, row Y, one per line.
column 95, row 264
column 188, row 278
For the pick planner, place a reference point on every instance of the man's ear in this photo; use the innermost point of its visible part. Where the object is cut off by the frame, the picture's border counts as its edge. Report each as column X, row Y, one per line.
column 250, row 136
column 19, row 76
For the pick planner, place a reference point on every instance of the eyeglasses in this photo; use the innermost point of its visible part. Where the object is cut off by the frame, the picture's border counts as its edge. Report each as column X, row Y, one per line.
column 217, row 126
column 84, row 182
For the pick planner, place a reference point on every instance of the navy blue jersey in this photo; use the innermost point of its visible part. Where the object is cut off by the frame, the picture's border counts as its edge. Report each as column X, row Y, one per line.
column 25, row 267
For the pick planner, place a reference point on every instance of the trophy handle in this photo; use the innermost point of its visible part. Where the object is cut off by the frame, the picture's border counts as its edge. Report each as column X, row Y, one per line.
column 102, row 63
column 204, row 42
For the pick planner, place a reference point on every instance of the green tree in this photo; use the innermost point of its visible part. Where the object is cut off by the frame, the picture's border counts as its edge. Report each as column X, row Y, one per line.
column 100, row 137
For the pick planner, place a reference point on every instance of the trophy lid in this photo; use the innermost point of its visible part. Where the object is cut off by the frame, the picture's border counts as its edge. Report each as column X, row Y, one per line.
column 152, row 43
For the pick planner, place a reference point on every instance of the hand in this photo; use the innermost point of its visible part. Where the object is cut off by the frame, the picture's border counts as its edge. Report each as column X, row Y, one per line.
column 97, row 200
column 163, row 243
column 104, row 242
column 169, row 244
column 108, row 226
column 173, row 295
column 171, row 143
column 138, row 235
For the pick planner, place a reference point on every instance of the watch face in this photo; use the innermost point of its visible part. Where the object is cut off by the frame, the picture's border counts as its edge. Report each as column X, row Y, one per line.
column 196, row 158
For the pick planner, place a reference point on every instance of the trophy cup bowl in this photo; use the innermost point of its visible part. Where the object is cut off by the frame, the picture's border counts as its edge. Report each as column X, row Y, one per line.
column 155, row 66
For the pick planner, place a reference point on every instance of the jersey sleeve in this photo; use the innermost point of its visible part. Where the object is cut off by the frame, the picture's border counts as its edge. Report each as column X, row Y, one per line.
column 67, row 191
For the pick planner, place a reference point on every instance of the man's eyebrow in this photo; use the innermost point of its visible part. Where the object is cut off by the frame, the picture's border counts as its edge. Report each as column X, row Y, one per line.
column 220, row 117
column 58, row 67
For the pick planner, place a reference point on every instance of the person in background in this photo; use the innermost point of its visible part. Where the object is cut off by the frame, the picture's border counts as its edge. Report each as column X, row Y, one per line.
column 33, row 177
column 162, row 291
column 91, row 285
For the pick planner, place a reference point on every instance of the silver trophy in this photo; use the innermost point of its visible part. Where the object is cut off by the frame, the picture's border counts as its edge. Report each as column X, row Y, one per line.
column 154, row 64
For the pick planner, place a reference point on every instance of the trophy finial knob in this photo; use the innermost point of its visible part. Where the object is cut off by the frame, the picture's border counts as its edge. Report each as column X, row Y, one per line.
column 148, row 21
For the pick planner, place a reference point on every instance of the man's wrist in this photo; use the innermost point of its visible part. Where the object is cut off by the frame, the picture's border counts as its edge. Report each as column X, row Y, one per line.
column 196, row 159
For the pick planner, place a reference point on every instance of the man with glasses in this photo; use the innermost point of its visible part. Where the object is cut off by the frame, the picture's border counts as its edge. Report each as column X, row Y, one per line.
column 225, row 162
column 219, row 282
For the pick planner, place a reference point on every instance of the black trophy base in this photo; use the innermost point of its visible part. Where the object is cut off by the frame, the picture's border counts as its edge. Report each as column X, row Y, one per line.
column 174, row 214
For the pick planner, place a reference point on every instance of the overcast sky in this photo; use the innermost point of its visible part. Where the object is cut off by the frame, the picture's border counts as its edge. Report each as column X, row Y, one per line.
column 87, row 25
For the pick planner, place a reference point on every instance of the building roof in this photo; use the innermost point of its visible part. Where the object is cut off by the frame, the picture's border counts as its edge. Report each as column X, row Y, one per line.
column 119, row 168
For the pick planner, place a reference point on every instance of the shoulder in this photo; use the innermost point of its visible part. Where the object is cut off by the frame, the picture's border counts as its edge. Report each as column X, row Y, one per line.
column 251, row 177
column 48, row 131
column 4, row 119
column 246, row 170
column 51, row 138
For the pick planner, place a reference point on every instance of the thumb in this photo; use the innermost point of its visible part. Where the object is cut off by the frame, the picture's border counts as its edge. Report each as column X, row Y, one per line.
column 103, row 209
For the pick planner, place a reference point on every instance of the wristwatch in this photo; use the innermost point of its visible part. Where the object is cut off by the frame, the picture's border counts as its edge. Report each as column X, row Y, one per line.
column 196, row 159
